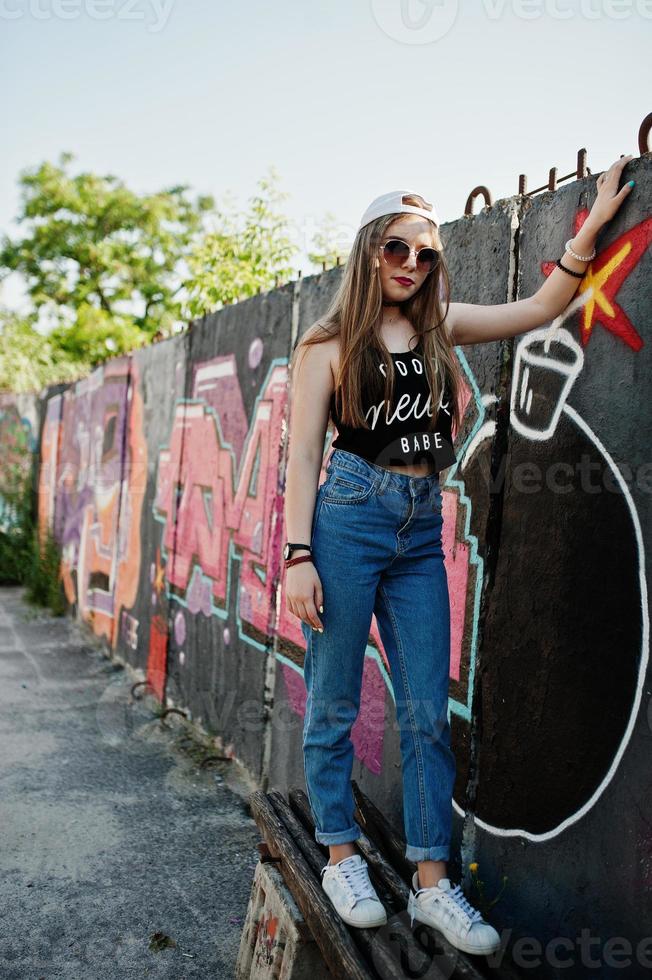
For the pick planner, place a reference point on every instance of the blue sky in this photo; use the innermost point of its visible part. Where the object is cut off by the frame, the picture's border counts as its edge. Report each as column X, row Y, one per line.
column 345, row 99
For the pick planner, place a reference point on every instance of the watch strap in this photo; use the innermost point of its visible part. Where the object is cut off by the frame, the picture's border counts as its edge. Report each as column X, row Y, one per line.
column 293, row 547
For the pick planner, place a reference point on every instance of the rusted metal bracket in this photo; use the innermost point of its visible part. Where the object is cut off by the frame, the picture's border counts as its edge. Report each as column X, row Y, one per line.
column 476, row 192
column 554, row 180
column 644, row 135
column 171, row 711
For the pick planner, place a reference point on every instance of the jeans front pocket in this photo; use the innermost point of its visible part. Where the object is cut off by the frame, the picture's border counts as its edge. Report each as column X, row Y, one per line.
column 343, row 487
column 436, row 499
column 319, row 499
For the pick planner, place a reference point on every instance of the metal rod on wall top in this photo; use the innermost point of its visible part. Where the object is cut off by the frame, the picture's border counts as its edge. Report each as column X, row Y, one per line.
column 582, row 170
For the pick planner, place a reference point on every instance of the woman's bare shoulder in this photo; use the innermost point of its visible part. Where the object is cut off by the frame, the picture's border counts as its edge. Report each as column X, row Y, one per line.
column 327, row 351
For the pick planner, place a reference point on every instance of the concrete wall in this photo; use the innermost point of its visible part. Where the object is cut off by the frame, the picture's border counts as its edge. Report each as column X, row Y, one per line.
column 162, row 475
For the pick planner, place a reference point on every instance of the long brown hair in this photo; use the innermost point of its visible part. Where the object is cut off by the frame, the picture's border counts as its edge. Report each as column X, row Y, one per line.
column 355, row 315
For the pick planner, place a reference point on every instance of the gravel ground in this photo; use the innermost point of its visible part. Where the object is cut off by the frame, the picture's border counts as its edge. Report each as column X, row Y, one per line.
column 114, row 843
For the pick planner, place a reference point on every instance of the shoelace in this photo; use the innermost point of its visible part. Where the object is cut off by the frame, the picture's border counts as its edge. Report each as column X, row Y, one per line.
column 356, row 877
column 460, row 898
column 458, row 902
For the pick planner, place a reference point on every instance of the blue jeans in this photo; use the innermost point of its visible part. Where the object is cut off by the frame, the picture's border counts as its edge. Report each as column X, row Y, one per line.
column 377, row 548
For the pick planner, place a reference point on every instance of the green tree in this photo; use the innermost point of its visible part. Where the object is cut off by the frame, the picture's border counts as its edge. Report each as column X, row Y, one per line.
column 96, row 335
column 89, row 243
column 28, row 360
column 245, row 254
column 330, row 246
column 24, row 558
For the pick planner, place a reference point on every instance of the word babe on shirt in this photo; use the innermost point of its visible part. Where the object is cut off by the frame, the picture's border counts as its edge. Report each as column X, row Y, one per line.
column 398, row 433
column 404, row 424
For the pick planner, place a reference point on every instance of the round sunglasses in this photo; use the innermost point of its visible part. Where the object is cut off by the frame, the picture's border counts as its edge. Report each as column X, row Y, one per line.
column 395, row 252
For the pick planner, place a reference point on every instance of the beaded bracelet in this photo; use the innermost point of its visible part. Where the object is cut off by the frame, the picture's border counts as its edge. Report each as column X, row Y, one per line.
column 580, row 258
column 578, row 275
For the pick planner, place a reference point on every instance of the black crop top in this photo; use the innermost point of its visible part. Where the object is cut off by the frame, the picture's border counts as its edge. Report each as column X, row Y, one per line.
column 404, row 439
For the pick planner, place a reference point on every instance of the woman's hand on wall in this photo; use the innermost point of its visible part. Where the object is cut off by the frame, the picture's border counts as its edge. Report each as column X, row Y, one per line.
column 609, row 197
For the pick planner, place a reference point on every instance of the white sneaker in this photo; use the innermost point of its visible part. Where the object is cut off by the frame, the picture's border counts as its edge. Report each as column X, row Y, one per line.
column 348, row 886
column 447, row 909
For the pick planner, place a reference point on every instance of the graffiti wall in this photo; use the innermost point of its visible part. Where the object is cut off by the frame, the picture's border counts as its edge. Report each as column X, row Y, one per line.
column 19, row 442
column 90, row 490
column 162, row 477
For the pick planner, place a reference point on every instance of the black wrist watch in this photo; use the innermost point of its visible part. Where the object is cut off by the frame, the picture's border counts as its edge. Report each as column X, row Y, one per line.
column 289, row 548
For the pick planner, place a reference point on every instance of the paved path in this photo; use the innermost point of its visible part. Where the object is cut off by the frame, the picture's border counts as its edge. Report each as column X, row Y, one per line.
column 109, row 832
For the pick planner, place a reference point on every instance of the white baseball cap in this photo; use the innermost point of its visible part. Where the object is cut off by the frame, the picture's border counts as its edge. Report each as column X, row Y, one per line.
column 392, row 203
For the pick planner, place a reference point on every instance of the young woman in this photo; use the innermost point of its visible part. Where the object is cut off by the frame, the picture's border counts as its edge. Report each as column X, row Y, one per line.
column 369, row 539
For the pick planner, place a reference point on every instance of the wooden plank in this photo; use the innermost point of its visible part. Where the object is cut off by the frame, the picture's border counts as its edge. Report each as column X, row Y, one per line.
column 453, row 961
column 451, row 958
column 309, row 847
column 393, row 949
column 381, row 871
column 384, row 871
column 304, row 836
column 331, row 934
column 301, row 806
column 375, row 943
column 368, row 814
column 376, row 826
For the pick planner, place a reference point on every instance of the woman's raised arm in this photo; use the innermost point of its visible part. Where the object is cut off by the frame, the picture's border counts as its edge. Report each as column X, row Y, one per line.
column 474, row 323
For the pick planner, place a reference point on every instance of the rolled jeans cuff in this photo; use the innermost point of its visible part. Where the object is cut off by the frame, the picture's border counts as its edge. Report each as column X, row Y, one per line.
column 439, row 853
column 341, row 837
